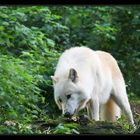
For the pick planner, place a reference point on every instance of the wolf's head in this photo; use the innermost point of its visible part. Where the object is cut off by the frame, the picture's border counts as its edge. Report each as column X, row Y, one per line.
column 69, row 94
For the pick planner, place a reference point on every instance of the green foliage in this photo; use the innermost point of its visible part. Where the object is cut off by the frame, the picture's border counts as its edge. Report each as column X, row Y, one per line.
column 19, row 95
column 26, row 64
column 29, row 27
column 66, row 129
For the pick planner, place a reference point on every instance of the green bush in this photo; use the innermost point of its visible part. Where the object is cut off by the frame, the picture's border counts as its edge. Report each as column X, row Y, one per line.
column 19, row 95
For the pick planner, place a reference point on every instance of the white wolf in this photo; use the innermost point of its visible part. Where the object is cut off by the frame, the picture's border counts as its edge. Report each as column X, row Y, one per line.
column 92, row 79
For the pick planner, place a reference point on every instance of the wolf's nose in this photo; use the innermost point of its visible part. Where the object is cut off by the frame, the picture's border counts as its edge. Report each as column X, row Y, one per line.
column 67, row 115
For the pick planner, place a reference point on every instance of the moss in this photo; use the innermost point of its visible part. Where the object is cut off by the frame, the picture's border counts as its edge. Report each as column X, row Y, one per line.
column 104, row 128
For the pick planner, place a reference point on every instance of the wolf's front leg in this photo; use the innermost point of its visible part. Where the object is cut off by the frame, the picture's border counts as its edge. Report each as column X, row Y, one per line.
column 94, row 109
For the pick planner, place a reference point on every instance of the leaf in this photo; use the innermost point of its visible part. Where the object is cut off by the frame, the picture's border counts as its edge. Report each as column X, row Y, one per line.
column 50, row 42
column 2, row 28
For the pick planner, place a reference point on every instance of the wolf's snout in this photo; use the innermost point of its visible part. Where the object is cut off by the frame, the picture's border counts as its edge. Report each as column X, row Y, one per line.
column 67, row 115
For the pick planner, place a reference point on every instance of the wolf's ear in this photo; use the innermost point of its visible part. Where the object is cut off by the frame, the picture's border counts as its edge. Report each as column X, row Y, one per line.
column 55, row 79
column 73, row 75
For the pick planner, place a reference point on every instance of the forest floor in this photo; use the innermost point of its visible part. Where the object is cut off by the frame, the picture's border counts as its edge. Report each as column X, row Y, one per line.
column 84, row 126
column 135, row 105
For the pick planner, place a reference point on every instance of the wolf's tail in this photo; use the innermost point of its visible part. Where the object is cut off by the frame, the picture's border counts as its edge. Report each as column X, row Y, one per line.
column 110, row 111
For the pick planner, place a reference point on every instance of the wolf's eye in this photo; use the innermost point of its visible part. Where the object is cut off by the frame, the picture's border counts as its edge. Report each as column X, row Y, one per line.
column 60, row 100
column 68, row 96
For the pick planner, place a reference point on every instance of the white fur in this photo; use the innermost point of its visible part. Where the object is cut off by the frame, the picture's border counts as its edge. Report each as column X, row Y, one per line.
column 100, row 86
